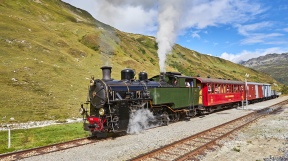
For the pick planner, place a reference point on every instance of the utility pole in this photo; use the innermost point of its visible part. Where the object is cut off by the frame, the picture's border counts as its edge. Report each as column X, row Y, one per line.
column 246, row 90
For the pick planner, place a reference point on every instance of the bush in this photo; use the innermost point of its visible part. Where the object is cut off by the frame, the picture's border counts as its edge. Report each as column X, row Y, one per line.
column 284, row 89
column 236, row 149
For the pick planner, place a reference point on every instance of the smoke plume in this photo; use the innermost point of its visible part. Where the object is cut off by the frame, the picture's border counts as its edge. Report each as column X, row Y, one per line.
column 168, row 18
column 166, row 35
column 139, row 121
column 108, row 41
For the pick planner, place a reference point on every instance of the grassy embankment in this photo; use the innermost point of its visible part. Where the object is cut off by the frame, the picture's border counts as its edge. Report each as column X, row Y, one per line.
column 30, row 138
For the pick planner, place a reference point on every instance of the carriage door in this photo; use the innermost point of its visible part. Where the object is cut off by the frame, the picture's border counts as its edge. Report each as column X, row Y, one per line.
column 256, row 91
column 199, row 85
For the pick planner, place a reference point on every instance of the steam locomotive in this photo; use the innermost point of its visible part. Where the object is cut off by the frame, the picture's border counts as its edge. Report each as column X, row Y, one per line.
column 168, row 96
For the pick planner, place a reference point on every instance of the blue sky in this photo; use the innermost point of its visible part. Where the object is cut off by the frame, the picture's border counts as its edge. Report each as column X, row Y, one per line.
column 231, row 29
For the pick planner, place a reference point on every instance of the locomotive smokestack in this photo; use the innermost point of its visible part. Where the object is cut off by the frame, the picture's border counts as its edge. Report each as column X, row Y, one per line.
column 106, row 72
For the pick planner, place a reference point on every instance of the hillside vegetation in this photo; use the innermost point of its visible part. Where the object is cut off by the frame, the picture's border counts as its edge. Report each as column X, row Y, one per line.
column 49, row 50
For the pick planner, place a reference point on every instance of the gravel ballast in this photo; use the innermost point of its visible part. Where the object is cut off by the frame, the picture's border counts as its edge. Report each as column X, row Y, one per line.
column 266, row 139
column 126, row 147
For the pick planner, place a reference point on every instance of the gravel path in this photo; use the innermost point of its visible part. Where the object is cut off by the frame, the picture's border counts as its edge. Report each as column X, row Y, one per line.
column 126, row 147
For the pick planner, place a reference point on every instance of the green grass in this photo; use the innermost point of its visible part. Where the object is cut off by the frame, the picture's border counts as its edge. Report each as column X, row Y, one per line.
column 35, row 137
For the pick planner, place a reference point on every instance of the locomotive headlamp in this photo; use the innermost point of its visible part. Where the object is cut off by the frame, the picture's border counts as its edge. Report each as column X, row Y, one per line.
column 101, row 111
column 82, row 110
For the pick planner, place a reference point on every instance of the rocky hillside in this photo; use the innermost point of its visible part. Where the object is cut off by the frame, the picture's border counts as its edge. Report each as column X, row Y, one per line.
column 49, row 50
column 275, row 65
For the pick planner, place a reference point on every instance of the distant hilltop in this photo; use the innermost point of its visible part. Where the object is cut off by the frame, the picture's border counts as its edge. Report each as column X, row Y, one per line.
column 275, row 65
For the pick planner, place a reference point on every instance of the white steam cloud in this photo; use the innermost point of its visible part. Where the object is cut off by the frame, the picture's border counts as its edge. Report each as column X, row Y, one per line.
column 168, row 19
column 139, row 121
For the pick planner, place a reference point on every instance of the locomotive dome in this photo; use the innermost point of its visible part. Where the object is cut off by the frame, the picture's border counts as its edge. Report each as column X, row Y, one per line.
column 143, row 76
column 127, row 74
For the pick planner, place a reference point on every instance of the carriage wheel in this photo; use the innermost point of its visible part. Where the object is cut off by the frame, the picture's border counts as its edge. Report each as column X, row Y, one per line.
column 192, row 113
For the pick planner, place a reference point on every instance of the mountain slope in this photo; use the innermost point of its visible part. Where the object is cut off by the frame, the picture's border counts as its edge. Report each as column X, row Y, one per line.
column 49, row 50
column 275, row 65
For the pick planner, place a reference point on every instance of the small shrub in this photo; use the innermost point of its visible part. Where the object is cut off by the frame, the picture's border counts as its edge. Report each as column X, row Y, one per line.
column 284, row 89
column 236, row 149
column 142, row 51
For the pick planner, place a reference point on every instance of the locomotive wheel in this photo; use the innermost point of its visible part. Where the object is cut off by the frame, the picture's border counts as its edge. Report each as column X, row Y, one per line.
column 165, row 119
column 176, row 116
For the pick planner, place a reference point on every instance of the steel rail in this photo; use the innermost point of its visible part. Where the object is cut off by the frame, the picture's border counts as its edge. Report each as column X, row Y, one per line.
column 45, row 149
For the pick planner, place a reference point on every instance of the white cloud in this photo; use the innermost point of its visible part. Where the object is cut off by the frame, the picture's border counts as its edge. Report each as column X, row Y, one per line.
column 246, row 55
column 247, row 29
column 257, row 33
column 203, row 13
column 195, row 34
column 261, row 38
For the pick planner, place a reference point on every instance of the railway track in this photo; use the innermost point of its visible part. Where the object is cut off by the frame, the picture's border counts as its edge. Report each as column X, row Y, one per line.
column 192, row 147
column 45, row 149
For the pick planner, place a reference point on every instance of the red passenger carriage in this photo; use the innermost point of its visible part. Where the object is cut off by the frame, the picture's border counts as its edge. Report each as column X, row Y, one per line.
column 219, row 93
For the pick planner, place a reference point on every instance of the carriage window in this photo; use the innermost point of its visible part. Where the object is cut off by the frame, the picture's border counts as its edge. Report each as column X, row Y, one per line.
column 228, row 88
column 236, row 88
column 213, row 88
column 221, row 88
column 209, row 88
column 241, row 88
column 216, row 88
